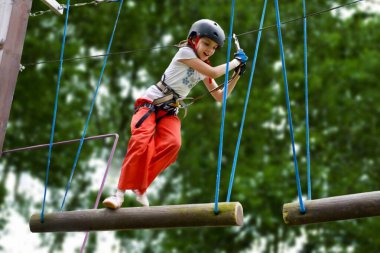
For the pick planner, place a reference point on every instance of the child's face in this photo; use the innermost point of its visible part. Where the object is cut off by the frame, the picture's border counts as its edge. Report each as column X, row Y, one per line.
column 206, row 48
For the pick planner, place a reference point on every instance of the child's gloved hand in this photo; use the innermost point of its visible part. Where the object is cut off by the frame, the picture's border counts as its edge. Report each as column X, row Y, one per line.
column 240, row 69
column 241, row 56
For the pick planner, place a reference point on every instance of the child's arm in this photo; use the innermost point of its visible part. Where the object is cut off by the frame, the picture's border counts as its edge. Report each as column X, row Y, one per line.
column 207, row 70
column 218, row 93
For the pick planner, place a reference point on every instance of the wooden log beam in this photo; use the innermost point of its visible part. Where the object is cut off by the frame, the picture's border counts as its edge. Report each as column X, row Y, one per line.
column 195, row 215
column 344, row 207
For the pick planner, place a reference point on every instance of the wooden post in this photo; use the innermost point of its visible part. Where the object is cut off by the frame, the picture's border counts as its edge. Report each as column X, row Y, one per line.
column 196, row 215
column 345, row 207
column 13, row 28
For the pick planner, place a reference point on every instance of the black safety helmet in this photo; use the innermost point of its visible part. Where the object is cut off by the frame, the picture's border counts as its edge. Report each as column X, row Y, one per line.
column 207, row 28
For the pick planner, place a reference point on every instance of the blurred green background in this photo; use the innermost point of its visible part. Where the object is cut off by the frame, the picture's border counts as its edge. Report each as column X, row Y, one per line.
column 344, row 53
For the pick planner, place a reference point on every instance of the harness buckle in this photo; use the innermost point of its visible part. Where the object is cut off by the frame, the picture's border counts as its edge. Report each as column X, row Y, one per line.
column 175, row 104
column 166, row 90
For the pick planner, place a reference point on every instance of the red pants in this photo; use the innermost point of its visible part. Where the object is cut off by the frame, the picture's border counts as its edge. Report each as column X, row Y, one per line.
column 151, row 149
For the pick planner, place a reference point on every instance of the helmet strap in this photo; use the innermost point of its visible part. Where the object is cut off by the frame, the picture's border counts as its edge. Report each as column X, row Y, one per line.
column 193, row 44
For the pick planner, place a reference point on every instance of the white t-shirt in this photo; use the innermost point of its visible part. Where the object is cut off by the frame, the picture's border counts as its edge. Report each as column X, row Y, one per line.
column 180, row 77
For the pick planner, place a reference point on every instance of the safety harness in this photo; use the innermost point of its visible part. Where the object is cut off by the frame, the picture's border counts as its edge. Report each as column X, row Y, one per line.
column 170, row 102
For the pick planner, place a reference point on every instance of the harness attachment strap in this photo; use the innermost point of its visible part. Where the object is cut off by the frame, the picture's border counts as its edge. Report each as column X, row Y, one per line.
column 170, row 110
column 151, row 107
column 170, row 94
column 164, row 99
column 166, row 89
column 170, row 103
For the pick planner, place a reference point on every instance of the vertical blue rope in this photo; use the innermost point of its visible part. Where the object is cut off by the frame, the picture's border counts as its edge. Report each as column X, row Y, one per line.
column 55, row 108
column 225, row 91
column 92, row 106
column 306, row 101
column 302, row 208
column 246, row 103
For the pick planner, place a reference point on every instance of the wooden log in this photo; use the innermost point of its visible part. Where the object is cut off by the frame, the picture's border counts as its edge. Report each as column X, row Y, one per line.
column 195, row 215
column 344, row 207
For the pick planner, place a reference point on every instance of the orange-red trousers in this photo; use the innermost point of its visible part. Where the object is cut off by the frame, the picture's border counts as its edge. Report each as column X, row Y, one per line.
column 151, row 149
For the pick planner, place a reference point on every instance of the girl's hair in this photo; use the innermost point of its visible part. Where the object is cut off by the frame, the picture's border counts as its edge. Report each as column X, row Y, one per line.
column 183, row 43
column 189, row 43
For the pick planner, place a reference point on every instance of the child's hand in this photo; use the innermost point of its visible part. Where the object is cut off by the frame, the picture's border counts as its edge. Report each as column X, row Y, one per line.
column 240, row 69
column 241, row 56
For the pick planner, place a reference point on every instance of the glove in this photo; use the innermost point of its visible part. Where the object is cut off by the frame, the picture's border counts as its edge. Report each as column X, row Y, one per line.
column 241, row 56
column 240, row 69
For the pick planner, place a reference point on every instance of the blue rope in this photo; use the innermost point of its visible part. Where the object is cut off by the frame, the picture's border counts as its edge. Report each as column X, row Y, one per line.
column 306, row 101
column 216, row 210
column 246, row 103
column 92, row 106
column 55, row 108
column 302, row 208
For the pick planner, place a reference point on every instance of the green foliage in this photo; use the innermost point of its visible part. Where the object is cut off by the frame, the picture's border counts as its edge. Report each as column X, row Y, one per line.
column 343, row 62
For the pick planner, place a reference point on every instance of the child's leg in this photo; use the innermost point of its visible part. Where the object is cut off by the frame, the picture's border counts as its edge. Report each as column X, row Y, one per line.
column 167, row 145
column 134, row 171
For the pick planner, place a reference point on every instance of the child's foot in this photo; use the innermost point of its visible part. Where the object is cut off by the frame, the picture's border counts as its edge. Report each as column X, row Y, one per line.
column 141, row 198
column 114, row 201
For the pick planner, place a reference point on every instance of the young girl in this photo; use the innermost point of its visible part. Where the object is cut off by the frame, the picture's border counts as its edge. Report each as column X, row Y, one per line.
column 156, row 138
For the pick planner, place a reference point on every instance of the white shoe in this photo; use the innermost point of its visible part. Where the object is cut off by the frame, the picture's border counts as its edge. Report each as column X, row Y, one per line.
column 113, row 202
column 141, row 198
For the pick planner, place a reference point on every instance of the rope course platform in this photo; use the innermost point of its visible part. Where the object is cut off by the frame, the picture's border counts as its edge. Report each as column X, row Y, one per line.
column 172, row 216
column 345, row 207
